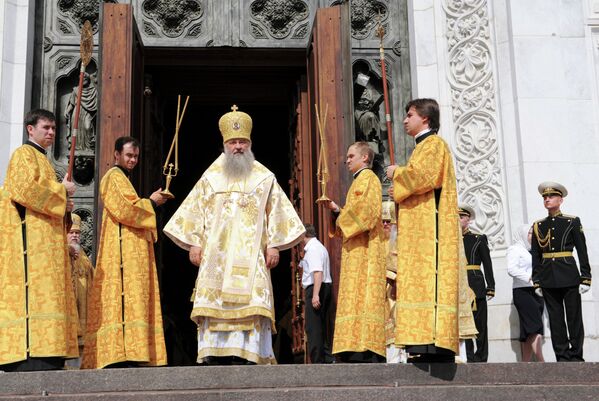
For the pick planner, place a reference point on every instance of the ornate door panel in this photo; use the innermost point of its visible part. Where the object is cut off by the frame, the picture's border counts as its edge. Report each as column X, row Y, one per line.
column 328, row 84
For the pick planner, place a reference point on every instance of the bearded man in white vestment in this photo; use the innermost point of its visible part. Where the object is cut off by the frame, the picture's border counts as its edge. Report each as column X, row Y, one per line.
column 234, row 222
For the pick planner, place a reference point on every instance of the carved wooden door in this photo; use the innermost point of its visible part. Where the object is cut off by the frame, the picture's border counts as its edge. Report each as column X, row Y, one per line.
column 121, row 75
column 328, row 83
column 121, row 87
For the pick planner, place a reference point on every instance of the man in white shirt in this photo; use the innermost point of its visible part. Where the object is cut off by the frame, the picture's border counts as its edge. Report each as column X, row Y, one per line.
column 316, row 280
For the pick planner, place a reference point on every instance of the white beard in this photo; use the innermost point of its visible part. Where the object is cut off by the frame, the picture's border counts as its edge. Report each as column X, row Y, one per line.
column 238, row 166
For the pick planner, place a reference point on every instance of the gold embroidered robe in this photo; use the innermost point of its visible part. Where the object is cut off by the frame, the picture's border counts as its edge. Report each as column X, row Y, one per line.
column 426, row 310
column 82, row 273
column 391, row 274
column 467, row 300
column 234, row 223
column 133, row 333
column 360, row 318
column 46, row 299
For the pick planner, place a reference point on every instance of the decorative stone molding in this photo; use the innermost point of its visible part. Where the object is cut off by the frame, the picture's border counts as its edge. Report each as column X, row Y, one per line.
column 364, row 17
column 48, row 44
column 173, row 16
column 79, row 11
column 87, row 222
column 63, row 62
column 278, row 18
column 195, row 30
column 474, row 113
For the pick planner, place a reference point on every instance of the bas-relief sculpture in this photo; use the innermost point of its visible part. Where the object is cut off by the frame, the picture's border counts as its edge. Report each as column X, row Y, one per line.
column 86, row 136
column 369, row 115
column 474, row 112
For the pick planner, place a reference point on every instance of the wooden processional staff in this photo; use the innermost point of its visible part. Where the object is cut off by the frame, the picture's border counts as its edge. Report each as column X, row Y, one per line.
column 168, row 167
column 380, row 32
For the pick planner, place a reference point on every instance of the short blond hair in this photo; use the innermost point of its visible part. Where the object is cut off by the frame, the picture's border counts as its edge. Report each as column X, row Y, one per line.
column 364, row 149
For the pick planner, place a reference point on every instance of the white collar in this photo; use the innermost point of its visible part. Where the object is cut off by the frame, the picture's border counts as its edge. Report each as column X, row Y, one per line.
column 425, row 131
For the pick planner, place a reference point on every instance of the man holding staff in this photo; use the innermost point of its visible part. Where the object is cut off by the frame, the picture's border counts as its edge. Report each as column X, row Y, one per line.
column 360, row 319
column 124, row 320
column 234, row 222
column 38, row 315
column 429, row 250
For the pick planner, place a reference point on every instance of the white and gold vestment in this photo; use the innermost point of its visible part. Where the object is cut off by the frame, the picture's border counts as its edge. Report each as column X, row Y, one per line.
column 234, row 222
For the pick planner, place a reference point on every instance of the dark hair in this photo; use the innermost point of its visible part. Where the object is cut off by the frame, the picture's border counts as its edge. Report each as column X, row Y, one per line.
column 428, row 108
column 123, row 140
column 32, row 117
column 310, row 231
column 364, row 148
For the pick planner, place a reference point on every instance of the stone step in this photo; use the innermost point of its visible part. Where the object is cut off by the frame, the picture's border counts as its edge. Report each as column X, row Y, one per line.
column 506, row 382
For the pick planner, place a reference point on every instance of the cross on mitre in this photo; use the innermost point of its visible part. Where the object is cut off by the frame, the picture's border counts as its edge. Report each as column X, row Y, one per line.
column 234, row 108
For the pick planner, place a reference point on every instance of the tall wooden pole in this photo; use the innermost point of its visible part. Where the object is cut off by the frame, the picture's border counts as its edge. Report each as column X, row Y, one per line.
column 381, row 33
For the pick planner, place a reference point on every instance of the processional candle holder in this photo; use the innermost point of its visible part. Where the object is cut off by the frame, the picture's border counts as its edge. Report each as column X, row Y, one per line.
column 169, row 169
column 322, row 173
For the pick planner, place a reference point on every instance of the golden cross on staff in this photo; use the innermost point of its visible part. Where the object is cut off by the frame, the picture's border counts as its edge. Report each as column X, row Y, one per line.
column 167, row 169
column 322, row 173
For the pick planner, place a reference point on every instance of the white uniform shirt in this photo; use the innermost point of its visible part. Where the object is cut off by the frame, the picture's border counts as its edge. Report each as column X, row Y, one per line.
column 316, row 259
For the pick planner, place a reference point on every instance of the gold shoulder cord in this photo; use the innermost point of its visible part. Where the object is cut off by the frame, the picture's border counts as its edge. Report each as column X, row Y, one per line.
column 544, row 242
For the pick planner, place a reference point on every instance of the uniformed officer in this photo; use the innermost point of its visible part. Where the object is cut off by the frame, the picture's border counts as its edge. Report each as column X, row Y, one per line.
column 554, row 271
column 477, row 253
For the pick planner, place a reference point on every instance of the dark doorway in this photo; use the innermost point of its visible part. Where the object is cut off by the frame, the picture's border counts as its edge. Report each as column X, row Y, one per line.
column 262, row 84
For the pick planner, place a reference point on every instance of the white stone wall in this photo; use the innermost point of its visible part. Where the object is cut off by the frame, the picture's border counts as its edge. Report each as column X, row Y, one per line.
column 543, row 57
column 16, row 64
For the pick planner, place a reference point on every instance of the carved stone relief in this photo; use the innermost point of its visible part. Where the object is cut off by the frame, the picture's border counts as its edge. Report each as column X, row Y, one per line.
column 279, row 18
column 78, row 11
column 172, row 16
column 66, row 95
column 365, row 15
column 369, row 112
column 474, row 108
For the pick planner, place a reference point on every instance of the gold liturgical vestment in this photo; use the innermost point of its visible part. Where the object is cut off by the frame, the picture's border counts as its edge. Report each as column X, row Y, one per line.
column 391, row 274
column 360, row 318
column 234, row 223
column 37, row 305
column 426, row 310
column 82, row 274
column 467, row 300
column 124, row 321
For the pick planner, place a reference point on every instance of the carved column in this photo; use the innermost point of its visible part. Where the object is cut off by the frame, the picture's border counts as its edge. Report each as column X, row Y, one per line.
column 471, row 76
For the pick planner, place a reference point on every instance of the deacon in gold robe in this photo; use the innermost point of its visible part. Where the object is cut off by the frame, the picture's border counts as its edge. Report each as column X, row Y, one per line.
column 360, row 320
column 38, row 316
column 428, row 245
column 124, row 321
column 234, row 222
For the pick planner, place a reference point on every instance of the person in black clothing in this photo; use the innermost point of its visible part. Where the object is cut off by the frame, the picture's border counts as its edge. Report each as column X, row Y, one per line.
column 555, row 274
column 477, row 253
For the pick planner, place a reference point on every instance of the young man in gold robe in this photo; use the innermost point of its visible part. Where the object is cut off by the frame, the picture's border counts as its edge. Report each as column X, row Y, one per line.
column 124, row 320
column 360, row 319
column 82, row 274
column 234, row 222
column 428, row 249
column 38, row 316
